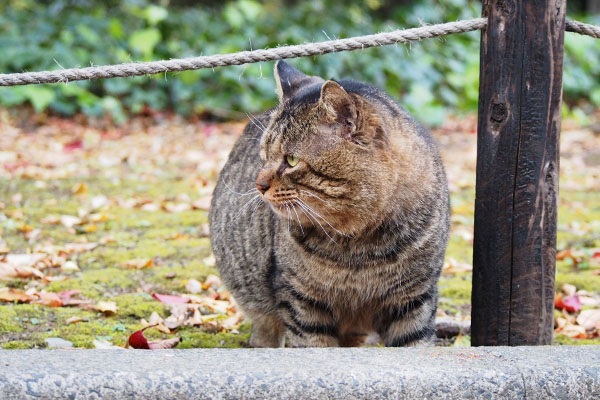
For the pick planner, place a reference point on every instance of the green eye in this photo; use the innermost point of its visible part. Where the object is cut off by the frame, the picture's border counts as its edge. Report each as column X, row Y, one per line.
column 292, row 160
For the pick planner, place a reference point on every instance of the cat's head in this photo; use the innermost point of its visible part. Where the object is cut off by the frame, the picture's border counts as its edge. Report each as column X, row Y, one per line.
column 326, row 155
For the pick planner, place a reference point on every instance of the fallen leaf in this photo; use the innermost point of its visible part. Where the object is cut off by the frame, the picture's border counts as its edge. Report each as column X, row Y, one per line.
column 574, row 331
column 164, row 344
column 106, row 345
column 73, row 320
column 157, row 321
column 51, row 219
column 453, row 266
column 589, row 319
column 107, row 307
column 202, row 204
column 193, row 286
column 210, row 261
column 138, row 341
column 139, row 263
column 170, row 299
column 4, row 248
column 569, row 303
column 69, row 266
column 10, row 295
column 48, row 299
column 212, row 281
column 98, row 202
column 79, row 188
column 568, row 289
column 69, row 220
column 175, row 207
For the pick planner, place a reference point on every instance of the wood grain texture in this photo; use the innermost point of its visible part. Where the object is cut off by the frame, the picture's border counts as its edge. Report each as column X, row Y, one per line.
column 517, row 172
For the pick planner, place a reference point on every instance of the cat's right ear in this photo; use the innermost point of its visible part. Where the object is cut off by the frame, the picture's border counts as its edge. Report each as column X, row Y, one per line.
column 289, row 80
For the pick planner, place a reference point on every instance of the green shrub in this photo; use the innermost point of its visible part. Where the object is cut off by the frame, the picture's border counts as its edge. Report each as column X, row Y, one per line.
column 428, row 76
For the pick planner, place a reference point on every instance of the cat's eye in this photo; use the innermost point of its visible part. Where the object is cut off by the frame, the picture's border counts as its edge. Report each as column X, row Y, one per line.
column 292, row 160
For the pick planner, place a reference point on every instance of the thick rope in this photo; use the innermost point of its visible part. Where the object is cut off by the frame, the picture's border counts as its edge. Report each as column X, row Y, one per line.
column 245, row 57
column 583, row 29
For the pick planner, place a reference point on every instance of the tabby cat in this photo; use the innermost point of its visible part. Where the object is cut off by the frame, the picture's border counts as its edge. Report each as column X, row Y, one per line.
column 330, row 219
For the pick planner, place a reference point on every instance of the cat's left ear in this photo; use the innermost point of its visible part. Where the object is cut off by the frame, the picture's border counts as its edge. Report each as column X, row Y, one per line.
column 338, row 105
column 289, row 80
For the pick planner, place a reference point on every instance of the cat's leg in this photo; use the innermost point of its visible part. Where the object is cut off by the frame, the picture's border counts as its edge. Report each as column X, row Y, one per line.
column 411, row 323
column 308, row 322
column 267, row 331
column 353, row 339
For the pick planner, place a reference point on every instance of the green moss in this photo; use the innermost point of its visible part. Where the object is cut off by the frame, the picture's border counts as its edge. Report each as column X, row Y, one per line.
column 565, row 340
column 18, row 344
column 8, row 320
column 457, row 287
column 96, row 282
column 194, row 338
column 173, row 278
column 83, row 334
column 138, row 305
column 582, row 280
column 459, row 249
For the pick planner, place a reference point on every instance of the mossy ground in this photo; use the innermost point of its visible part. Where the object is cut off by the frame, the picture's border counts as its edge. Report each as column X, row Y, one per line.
column 177, row 243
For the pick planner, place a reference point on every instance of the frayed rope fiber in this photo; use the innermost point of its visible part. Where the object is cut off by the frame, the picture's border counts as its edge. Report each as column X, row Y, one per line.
column 253, row 56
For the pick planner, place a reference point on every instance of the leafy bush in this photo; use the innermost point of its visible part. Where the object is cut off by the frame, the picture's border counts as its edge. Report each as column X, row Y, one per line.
column 428, row 77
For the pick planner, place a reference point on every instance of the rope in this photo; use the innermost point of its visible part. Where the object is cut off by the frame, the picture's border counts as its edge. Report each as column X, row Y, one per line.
column 243, row 57
column 583, row 29
column 278, row 53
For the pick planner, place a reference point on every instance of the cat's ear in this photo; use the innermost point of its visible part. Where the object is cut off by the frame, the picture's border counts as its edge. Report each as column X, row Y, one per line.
column 289, row 80
column 338, row 104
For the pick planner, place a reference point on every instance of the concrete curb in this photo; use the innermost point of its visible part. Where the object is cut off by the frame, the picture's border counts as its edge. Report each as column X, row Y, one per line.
column 365, row 373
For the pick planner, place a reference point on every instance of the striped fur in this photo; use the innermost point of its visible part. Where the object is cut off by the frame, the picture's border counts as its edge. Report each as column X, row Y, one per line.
column 348, row 242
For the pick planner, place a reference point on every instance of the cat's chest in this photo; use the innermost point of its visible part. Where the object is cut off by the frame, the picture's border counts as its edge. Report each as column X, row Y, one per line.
column 354, row 285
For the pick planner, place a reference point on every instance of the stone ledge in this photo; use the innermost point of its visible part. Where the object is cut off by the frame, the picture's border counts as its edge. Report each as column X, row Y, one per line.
column 366, row 373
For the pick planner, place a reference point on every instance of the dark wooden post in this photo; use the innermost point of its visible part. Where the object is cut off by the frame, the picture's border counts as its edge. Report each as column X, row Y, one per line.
column 520, row 93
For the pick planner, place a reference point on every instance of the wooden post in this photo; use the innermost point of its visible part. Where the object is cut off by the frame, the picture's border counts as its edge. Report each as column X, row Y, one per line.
column 520, row 93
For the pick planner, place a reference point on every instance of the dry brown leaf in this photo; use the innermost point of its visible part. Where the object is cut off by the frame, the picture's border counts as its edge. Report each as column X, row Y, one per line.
column 107, row 307
column 202, row 204
column 69, row 266
column 51, row 219
column 175, row 207
column 453, row 266
column 4, row 249
column 27, row 272
column 10, row 295
column 79, row 188
column 70, row 221
column 139, row 263
column 589, row 319
column 193, row 286
column 568, row 289
column 48, row 299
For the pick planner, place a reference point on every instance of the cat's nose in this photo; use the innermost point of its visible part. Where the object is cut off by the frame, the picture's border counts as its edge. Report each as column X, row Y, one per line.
column 262, row 185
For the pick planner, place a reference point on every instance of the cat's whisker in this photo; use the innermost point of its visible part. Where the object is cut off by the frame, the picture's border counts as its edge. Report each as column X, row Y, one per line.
column 256, row 207
column 317, row 197
column 313, row 195
column 246, row 205
column 320, row 216
column 307, row 216
column 287, row 209
column 307, row 212
column 297, row 217
column 254, row 121
column 228, row 187
column 259, row 121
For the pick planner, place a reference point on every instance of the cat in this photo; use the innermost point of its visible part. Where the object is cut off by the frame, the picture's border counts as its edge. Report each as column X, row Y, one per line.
column 330, row 219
